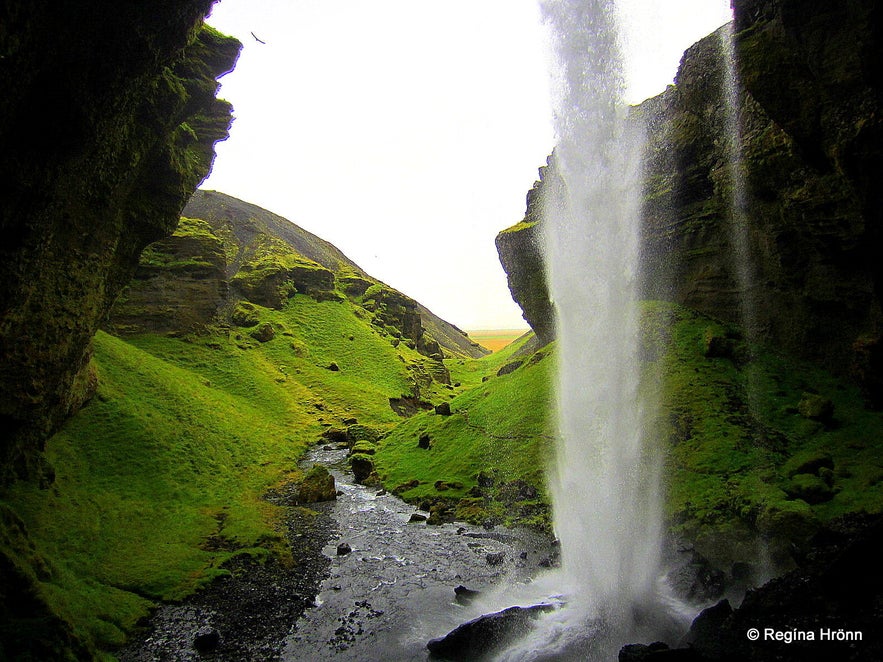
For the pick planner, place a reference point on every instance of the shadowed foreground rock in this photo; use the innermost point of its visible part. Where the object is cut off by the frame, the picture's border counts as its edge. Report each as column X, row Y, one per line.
column 486, row 634
column 830, row 609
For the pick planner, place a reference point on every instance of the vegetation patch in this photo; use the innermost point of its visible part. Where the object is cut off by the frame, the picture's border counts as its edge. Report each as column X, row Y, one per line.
column 754, row 439
column 497, row 427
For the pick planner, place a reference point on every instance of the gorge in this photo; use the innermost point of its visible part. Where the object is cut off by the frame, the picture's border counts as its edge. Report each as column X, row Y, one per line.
column 152, row 458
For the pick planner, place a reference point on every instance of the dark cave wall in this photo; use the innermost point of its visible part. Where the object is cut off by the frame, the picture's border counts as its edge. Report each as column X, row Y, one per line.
column 110, row 128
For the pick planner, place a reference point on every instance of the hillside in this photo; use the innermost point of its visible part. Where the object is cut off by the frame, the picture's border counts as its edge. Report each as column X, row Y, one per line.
column 235, row 351
column 226, row 249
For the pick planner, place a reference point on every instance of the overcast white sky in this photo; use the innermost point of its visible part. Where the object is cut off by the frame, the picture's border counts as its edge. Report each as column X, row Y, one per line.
column 407, row 132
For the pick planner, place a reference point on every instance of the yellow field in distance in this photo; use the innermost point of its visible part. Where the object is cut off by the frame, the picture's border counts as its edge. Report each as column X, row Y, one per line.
column 495, row 339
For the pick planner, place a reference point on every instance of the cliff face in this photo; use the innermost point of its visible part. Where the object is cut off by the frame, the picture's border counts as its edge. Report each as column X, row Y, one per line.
column 521, row 253
column 108, row 128
column 797, row 263
column 791, row 256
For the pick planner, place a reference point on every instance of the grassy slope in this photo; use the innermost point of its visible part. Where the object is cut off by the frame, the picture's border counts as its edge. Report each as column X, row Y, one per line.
column 499, row 427
column 160, row 477
column 730, row 429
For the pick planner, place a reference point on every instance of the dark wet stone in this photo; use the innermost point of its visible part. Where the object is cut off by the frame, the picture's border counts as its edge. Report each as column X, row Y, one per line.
column 333, row 367
column 424, row 441
column 495, row 558
column 207, row 640
column 417, row 517
column 343, row 549
column 486, row 634
column 443, row 409
column 651, row 652
column 465, row 595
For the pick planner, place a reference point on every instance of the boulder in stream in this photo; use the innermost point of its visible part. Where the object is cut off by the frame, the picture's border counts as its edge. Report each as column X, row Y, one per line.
column 486, row 634
column 317, row 485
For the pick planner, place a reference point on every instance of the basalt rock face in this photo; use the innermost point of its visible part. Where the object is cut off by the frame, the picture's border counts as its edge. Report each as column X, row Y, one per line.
column 798, row 263
column 178, row 286
column 521, row 254
column 108, row 127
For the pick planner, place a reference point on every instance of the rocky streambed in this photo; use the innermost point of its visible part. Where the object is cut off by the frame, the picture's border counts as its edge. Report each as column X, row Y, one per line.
column 370, row 584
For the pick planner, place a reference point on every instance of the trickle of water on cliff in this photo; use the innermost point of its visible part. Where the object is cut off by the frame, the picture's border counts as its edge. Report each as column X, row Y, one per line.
column 606, row 485
column 743, row 266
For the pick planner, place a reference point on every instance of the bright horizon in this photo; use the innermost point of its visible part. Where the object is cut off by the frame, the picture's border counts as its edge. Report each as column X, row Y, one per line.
column 408, row 134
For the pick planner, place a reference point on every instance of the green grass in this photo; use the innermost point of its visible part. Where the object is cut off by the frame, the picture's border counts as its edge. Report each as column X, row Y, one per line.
column 153, row 468
column 500, row 427
column 161, row 477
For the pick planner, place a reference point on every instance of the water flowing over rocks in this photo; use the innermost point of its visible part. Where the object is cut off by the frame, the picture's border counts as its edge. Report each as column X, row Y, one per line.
column 396, row 589
column 368, row 584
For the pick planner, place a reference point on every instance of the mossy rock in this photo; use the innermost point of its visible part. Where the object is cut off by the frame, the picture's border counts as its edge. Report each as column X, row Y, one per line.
column 816, row 407
column 245, row 315
column 364, row 446
column 356, row 433
column 471, row 509
column 808, row 462
column 812, row 489
column 317, row 485
column 789, row 520
column 264, row 333
column 362, row 467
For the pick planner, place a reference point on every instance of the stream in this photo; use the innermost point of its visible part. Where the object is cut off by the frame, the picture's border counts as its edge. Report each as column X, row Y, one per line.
column 384, row 600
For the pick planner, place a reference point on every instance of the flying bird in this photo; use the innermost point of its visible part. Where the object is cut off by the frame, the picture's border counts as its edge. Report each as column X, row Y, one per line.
column 260, row 41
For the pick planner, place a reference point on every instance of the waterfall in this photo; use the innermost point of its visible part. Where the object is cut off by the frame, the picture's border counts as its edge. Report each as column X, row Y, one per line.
column 605, row 486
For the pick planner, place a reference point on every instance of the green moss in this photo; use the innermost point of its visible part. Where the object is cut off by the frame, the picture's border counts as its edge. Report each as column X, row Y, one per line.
column 518, row 227
column 734, row 437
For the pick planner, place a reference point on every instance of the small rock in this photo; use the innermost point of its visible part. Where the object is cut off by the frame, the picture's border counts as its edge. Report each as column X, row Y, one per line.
column 495, row 558
column 264, row 333
column 641, row 652
column 417, row 517
column 816, row 408
column 362, row 467
column 465, row 595
column 207, row 639
column 343, row 549
column 509, row 367
column 485, row 634
column 333, row 367
column 443, row 409
column 317, row 485
column 424, row 441
column 350, row 421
